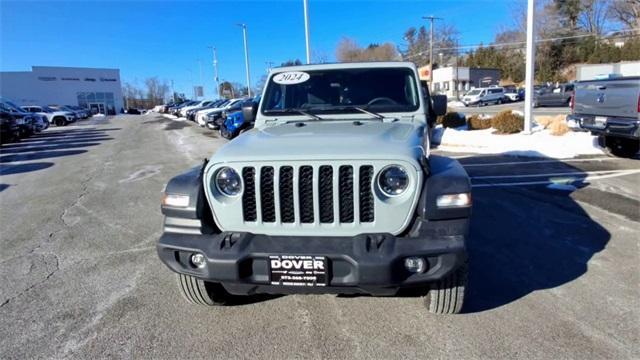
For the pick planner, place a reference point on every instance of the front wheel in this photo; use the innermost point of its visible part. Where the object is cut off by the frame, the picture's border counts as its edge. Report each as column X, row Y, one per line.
column 225, row 133
column 200, row 292
column 447, row 295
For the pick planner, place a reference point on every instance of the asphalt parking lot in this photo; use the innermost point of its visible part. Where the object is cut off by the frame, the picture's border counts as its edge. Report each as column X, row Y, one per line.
column 554, row 261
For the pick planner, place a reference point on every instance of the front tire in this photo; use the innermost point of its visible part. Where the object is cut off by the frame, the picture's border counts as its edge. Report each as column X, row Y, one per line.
column 200, row 292
column 447, row 295
column 225, row 133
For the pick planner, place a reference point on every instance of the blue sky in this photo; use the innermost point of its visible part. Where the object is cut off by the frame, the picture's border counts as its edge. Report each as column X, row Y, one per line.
column 166, row 38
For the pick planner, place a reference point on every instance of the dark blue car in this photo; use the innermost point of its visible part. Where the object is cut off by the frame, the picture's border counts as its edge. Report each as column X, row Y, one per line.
column 234, row 123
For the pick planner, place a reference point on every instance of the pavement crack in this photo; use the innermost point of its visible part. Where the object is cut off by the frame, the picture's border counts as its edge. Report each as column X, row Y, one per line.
column 32, row 286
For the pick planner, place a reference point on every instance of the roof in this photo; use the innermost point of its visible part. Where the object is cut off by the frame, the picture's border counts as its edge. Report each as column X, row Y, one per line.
column 347, row 65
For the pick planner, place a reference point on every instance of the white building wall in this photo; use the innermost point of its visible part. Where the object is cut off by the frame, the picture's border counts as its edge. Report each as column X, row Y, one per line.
column 592, row 71
column 46, row 85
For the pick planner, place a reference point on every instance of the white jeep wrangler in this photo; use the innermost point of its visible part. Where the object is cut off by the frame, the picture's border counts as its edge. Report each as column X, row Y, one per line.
column 333, row 191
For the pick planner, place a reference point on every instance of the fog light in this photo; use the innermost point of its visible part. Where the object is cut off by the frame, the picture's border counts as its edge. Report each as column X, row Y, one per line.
column 415, row 264
column 198, row 260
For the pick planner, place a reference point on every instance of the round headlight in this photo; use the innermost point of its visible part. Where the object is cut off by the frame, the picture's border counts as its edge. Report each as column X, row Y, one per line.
column 393, row 180
column 228, row 181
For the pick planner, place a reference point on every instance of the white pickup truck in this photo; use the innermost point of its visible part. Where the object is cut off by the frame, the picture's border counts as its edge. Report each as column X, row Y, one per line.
column 610, row 108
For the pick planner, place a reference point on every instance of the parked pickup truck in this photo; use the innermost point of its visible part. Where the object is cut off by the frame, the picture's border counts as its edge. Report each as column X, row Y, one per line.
column 333, row 191
column 610, row 108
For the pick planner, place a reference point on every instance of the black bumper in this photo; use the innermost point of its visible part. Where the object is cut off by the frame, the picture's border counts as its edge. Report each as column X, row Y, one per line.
column 369, row 263
column 623, row 127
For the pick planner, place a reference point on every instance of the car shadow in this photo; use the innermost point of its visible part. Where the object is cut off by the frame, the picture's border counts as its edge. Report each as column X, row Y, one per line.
column 22, row 168
column 527, row 237
column 48, row 145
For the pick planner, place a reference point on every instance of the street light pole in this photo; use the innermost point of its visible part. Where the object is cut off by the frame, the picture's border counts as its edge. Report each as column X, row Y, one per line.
column 431, row 18
column 216, row 79
column 306, row 29
column 246, row 57
column 530, row 67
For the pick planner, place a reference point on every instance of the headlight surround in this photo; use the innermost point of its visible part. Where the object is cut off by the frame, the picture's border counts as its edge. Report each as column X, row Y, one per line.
column 228, row 181
column 393, row 180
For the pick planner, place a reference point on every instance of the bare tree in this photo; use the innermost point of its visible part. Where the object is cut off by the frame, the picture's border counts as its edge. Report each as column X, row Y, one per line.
column 627, row 12
column 348, row 51
column 594, row 15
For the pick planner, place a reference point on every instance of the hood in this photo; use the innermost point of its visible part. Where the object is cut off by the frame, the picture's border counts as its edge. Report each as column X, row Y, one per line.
column 319, row 140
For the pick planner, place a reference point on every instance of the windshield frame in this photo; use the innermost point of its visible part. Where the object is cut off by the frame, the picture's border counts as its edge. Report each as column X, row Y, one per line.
column 324, row 109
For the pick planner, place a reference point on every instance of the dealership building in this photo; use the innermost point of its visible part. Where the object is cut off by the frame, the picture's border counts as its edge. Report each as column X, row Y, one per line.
column 97, row 89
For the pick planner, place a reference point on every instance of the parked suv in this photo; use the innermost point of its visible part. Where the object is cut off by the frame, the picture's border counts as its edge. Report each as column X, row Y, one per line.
column 483, row 96
column 333, row 191
column 26, row 122
column 53, row 116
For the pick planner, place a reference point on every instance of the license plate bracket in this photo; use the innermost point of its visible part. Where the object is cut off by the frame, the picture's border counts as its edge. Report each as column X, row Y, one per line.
column 298, row 270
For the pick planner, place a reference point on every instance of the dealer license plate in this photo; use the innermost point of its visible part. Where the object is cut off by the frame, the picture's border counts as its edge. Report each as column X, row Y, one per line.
column 600, row 121
column 298, row 270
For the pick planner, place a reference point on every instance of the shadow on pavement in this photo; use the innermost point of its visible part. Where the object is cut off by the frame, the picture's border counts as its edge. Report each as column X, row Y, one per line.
column 50, row 144
column 527, row 237
column 22, row 168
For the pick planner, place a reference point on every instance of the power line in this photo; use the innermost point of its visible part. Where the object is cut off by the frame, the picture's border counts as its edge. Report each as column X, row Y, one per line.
column 499, row 45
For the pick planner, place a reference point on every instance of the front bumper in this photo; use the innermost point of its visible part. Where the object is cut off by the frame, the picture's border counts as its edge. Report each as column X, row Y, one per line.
column 367, row 263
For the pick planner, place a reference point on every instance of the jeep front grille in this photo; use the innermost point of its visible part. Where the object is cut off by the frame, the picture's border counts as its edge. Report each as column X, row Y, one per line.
column 306, row 194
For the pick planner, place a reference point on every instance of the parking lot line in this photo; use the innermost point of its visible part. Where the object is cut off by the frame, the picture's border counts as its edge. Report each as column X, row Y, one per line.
column 591, row 175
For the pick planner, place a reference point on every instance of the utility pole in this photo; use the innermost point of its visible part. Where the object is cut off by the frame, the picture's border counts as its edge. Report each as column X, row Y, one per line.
column 457, row 82
column 216, row 79
column 193, row 88
column 246, row 57
column 431, row 18
column 530, row 67
column 306, row 29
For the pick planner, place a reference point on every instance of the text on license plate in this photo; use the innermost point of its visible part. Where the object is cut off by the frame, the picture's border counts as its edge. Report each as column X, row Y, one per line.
column 298, row 270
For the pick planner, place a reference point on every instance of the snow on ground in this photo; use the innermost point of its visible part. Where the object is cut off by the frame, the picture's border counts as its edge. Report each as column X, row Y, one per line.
column 539, row 144
column 455, row 104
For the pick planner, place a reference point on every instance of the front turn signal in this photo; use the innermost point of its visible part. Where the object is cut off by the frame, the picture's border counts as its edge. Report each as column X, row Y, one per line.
column 175, row 200
column 454, row 200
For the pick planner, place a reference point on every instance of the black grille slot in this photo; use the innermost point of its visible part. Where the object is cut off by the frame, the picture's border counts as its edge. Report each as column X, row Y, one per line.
column 249, row 196
column 325, row 191
column 267, row 201
column 366, row 195
column 305, row 184
column 346, row 193
column 287, row 213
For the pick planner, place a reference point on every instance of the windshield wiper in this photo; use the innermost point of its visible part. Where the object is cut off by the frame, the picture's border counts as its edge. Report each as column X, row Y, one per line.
column 294, row 110
column 374, row 114
column 350, row 107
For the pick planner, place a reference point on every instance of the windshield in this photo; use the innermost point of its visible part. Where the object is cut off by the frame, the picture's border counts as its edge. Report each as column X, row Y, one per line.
column 474, row 92
column 326, row 91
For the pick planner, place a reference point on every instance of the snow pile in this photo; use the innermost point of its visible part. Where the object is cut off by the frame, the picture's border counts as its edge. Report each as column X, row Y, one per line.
column 539, row 144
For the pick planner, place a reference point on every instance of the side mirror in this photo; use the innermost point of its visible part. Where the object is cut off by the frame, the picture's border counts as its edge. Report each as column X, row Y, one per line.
column 249, row 111
column 439, row 103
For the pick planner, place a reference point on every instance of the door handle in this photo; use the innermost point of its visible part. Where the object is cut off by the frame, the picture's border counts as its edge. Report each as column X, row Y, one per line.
column 602, row 87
